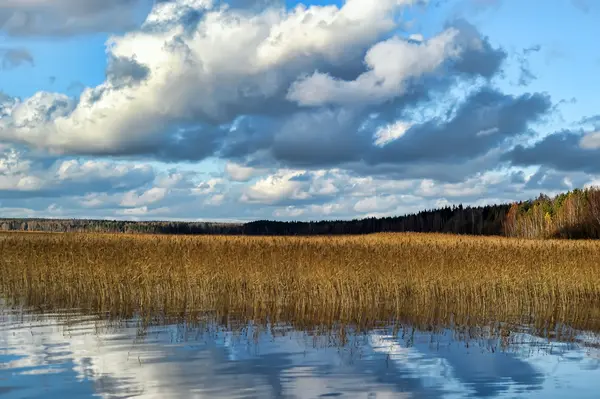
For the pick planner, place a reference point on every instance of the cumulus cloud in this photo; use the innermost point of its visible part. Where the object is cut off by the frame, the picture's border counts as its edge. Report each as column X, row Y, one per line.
column 101, row 189
column 26, row 175
column 288, row 186
column 134, row 199
column 476, row 129
column 276, row 188
column 240, row 173
column 178, row 87
column 310, row 111
column 376, row 204
column 230, row 63
column 391, row 63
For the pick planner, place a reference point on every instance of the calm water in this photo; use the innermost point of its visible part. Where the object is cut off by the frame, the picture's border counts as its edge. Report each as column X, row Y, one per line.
column 79, row 356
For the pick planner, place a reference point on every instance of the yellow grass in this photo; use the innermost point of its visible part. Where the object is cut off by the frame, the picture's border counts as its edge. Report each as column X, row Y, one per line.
column 309, row 280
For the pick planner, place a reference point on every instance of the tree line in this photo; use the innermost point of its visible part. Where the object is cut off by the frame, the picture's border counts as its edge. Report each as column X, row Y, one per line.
column 118, row 226
column 575, row 214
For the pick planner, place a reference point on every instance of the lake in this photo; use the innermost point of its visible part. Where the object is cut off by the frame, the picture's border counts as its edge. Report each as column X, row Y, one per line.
column 69, row 354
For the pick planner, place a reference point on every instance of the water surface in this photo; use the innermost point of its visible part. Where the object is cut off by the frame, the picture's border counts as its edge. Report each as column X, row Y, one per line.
column 73, row 355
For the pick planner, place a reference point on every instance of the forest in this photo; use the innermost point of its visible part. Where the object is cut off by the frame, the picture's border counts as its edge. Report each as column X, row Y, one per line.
column 575, row 214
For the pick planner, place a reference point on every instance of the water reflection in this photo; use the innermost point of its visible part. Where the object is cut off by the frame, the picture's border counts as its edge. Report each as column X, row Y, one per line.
column 74, row 355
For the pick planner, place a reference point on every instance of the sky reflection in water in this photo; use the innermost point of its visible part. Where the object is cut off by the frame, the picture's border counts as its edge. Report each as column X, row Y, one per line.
column 44, row 356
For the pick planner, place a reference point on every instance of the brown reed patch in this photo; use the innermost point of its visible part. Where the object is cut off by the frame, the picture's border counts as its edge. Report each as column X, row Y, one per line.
column 362, row 280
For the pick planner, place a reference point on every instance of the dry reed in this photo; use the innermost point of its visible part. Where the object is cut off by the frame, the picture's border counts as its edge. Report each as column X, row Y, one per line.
column 309, row 280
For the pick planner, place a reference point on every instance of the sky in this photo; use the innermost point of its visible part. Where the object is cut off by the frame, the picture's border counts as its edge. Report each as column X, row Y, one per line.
column 293, row 110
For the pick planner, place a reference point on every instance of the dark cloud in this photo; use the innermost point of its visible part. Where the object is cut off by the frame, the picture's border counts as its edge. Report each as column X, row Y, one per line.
column 123, row 71
column 240, row 112
column 303, row 138
column 193, row 144
column 440, row 171
column 484, row 121
column 66, row 17
column 561, row 151
column 321, row 138
column 547, row 180
column 517, row 177
column 248, row 136
column 15, row 57
column 332, row 136
column 485, row 60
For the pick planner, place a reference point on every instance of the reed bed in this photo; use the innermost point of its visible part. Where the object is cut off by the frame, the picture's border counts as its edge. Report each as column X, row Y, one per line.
column 309, row 280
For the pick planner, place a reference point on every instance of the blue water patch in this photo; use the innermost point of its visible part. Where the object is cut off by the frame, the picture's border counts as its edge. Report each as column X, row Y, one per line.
column 52, row 358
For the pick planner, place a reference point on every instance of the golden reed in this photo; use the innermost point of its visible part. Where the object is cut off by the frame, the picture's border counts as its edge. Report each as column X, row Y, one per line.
column 365, row 280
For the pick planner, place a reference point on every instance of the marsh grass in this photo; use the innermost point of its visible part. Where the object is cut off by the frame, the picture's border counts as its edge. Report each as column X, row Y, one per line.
column 426, row 279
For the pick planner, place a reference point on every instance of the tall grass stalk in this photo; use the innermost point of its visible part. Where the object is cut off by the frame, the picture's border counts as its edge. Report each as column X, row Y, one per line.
column 358, row 279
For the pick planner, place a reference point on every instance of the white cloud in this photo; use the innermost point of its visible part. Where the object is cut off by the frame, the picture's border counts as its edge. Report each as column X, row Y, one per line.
column 167, row 14
column 95, row 200
column 303, row 113
column 171, row 180
column 391, row 63
column 215, row 200
column 16, row 173
column 386, row 134
column 240, row 173
column 295, row 185
column 469, row 188
column 288, row 212
column 487, row 132
column 590, row 141
column 210, row 186
column 79, row 170
column 143, row 210
column 376, row 204
column 275, row 188
column 417, row 37
column 133, row 199
column 233, row 59
column 22, row 174
column 285, row 194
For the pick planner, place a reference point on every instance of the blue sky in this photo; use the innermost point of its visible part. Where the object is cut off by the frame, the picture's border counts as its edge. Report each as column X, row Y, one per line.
column 338, row 110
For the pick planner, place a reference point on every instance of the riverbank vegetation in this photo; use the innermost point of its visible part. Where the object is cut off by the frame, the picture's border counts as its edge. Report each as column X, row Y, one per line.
column 344, row 277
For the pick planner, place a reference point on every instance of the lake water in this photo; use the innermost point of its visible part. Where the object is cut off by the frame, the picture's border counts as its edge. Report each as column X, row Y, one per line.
column 79, row 356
